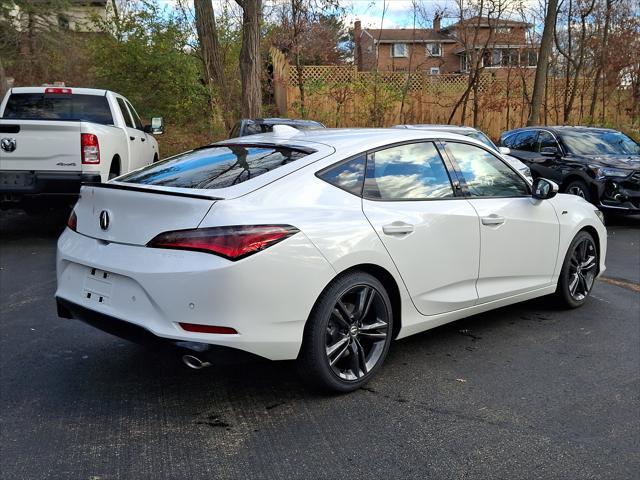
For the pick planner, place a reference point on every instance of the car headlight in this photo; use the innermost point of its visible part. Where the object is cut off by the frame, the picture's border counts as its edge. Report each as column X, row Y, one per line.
column 603, row 172
column 600, row 215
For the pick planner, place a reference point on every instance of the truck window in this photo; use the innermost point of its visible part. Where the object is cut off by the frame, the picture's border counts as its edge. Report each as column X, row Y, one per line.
column 55, row 106
column 125, row 113
column 136, row 118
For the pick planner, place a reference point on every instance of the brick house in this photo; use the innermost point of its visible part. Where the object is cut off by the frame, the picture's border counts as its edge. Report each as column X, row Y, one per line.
column 502, row 43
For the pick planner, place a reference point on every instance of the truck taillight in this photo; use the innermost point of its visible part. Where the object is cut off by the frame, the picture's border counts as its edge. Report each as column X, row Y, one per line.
column 90, row 148
column 59, row 90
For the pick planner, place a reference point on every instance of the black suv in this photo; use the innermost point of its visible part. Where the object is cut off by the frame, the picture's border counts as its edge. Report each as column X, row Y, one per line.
column 599, row 164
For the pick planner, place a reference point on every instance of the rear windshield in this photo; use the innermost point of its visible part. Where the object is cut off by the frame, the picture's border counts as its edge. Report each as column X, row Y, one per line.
column 215, row 167
column 57, row 106
column 599, row 143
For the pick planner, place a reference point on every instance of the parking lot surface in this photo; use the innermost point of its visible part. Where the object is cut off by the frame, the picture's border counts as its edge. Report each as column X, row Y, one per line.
column 527, row 391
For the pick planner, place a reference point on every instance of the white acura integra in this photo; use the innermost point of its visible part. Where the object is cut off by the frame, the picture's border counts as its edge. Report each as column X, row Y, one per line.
column 321, row 245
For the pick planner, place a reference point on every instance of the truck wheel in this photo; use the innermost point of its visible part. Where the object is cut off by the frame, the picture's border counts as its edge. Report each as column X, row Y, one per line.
column 114, row 171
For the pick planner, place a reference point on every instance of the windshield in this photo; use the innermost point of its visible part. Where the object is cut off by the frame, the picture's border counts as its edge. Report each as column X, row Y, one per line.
column 44, row 106
column 599, row 143
column 481, row 137
column 214, row 167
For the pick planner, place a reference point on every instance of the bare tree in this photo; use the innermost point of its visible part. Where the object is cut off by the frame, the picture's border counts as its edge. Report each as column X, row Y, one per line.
column 602, row 60
column 543, row 61
column 574, row 59
column 491, row 12
column 250, row 58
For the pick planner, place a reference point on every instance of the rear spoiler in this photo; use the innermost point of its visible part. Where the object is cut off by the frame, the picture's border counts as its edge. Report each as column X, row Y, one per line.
column 136, row 188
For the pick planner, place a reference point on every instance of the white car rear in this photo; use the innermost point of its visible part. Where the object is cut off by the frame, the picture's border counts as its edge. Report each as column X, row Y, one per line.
column 321, row 246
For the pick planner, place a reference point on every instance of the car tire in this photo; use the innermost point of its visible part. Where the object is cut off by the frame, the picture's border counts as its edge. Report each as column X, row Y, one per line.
column 579, row 271
column 347, row 335
column 578, row 188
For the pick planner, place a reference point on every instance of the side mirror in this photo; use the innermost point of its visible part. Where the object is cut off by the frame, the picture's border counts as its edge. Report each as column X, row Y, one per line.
column 550, row 152
column 504, row 150
column 156, row 127
column 544, row 189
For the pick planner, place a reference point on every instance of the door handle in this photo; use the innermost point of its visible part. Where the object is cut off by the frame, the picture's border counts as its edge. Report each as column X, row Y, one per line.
column 492, row 219
column 397, row 228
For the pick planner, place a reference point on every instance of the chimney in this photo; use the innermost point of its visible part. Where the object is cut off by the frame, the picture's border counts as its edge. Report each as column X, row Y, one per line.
column 436, row 21
column 357, row 32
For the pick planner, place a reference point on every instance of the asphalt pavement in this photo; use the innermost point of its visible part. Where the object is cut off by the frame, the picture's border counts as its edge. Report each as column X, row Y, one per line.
column 527, row 391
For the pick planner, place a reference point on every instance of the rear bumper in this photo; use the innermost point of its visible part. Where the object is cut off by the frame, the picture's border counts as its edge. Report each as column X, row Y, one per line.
column 266, row 298
column 19, row 183
column 135, row 333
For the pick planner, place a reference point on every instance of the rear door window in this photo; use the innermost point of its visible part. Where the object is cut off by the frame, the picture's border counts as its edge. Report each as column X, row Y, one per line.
column 407, row 172
column 136, row 118
column 525, row 141
column 215, row 167
column 58, row 106
column 125, row 113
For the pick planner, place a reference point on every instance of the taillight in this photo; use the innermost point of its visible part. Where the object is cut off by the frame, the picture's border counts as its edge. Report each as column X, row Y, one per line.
column 57, row 90
column 72, row 222
column 233, row 242
column 89, row 148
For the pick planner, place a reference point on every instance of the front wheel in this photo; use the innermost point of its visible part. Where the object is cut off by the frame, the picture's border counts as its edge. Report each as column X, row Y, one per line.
column 580, row 189
column 578, row 272
column 348, row 334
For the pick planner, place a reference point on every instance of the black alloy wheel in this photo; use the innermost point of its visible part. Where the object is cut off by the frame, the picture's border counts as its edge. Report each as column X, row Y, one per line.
column 579, row 189
column 348, row 333
column 579, row 271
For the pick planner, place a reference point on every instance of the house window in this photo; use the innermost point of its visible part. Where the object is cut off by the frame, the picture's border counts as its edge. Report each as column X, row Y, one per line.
column 399, row 50
column 464, row 62
column 434, row 50
column 532, row 58
column 503, row 30
column 434, row 70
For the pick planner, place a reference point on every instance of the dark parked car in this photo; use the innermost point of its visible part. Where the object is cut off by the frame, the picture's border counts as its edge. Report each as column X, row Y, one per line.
column 251, row 126
column 599, row 164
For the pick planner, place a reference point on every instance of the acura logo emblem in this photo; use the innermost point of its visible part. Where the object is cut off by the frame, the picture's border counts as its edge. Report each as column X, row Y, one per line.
column 8, row 144
column 104, row 219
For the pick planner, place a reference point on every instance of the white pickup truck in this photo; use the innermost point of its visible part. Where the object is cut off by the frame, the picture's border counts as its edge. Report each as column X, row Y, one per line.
column 52, row 139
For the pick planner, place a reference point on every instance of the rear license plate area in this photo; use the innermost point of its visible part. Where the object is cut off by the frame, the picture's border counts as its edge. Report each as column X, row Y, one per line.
column 97, row 287
column 16, row 179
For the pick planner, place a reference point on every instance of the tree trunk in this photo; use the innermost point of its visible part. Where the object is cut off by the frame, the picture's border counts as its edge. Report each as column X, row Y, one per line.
column 543, row 62
column 250, row 60
column 4, row 84
column 603, row 59
column 212, row 59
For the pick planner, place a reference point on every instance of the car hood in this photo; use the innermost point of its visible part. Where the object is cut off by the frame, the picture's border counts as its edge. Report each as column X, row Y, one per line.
column 616, row 161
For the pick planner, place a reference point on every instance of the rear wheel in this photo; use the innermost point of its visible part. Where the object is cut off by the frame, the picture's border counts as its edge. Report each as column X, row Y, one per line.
column 348, row 334
column 578, row 272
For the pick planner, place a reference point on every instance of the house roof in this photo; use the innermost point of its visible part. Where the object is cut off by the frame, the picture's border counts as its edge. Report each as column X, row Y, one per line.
column 489, row 22
column 409, row 35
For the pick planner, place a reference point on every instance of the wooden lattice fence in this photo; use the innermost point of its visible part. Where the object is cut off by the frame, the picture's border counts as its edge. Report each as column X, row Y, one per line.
column 342, row 96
